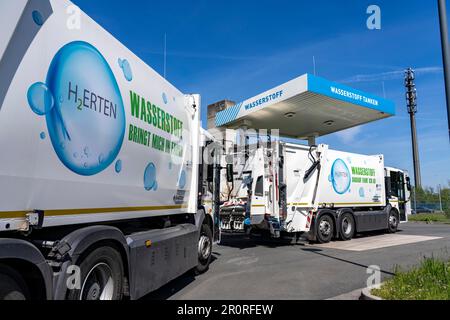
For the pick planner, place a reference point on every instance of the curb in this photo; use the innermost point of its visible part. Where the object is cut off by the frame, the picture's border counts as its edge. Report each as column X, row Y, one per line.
column 366, row 295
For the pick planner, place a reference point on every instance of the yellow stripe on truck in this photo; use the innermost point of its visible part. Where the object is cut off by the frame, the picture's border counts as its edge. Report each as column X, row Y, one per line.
column 69, row 212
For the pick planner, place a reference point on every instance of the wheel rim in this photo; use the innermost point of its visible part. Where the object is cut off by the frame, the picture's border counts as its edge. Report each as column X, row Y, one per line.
column 393, row 220
column 347, row 226
column 204, row 247
column 98, row 284
column 325, row 228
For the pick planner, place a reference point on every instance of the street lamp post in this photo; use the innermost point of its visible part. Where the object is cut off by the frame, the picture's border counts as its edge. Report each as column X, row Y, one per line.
column 411, row 100
column 445, row 54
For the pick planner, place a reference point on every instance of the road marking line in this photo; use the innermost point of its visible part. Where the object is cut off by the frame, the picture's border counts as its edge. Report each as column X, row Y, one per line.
column 376, row 242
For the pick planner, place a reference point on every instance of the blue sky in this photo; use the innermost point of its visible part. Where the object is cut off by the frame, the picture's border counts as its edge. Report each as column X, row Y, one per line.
column 236, row 49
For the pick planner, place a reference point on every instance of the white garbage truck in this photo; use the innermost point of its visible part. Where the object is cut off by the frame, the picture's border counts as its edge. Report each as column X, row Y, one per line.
column 296, row 189
column 100, row 164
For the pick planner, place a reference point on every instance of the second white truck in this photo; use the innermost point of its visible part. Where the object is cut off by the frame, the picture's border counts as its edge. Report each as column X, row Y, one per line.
column 290, row 188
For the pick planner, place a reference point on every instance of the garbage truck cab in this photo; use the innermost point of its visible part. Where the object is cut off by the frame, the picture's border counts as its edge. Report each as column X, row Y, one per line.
column 398, row 184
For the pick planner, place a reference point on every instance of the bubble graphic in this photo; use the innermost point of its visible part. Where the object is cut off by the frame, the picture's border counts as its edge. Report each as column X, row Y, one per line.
column 90, row 120
column 182, row 179
column 118, row 166
column 340, row 177
column 40, row 99
column 164, row 97
column 37, row 18
column 150, row 177
column 42, row 135
column 361, row 192
column 126, row 69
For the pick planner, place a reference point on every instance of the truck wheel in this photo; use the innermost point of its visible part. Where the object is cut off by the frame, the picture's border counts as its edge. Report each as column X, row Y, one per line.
column 205, row 242
column 101, row 276
column 347, row 227
column 12, row 285
column 393, row 221
column 324, row 229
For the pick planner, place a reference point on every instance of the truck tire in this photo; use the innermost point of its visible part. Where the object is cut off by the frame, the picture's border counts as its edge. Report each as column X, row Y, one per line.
column 205, row 242
column 12, row 285
column 393, row 221
column 324, row 229
column 347, row 226
column 101, row 276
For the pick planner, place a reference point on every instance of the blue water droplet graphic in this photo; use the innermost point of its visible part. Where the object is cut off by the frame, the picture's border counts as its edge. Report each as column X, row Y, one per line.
column 118, row 166
column 99, row 125
column 40, row 99
column 182, row 180
column 155, row 186
column 149, row 176
column 361, row 192
column 126, row 69
column 37, row 18
column 164, row 96
column 42, row 135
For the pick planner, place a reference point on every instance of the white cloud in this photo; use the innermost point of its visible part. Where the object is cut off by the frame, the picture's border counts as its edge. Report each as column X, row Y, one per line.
column 391, row 75
column 349, row 135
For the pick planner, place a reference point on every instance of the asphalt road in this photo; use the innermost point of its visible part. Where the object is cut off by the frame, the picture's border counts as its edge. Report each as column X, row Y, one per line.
column 245, row 269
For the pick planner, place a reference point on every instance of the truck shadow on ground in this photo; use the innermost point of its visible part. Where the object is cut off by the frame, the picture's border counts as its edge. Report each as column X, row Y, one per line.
column 176, row 285
column 242, row 241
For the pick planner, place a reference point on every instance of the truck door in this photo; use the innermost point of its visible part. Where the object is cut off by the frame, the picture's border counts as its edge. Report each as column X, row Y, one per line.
column 398, row 187
column 259, row 189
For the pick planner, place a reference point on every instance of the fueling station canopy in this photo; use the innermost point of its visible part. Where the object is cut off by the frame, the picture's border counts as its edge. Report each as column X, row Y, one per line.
column 306, row 107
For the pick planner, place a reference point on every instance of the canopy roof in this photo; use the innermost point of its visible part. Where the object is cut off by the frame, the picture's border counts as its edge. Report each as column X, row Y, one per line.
column 305, row 107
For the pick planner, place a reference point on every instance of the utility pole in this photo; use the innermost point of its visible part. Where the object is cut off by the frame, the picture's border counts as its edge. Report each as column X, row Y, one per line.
column 445, row 54
column 440, row 199
column 411, row 101
column 314, row 65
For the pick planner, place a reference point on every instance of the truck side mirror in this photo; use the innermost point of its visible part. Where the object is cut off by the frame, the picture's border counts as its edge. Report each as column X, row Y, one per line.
column 230, row 173
column 408, row 183
column 210, row 173
column 387, row 182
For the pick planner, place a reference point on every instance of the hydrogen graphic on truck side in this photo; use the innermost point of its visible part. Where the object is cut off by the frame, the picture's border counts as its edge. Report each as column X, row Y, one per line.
column 83, row 107
column 340, row 177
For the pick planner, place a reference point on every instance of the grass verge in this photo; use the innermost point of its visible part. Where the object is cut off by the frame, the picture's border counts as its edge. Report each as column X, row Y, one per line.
column 430, row 217
column 429, row 281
